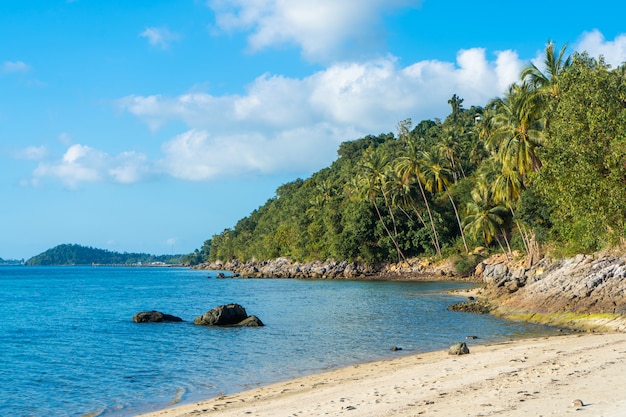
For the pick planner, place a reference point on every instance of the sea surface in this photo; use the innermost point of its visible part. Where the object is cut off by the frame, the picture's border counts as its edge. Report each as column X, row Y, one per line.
column 69, row 347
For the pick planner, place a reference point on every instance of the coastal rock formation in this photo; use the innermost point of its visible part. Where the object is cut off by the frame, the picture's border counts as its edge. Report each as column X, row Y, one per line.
column 154, row 317
column 589, row 288
column 228, row 315
column 331, row 269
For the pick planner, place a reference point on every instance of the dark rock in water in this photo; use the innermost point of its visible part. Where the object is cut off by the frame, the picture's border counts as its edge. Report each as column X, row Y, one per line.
column 251, row 321
column 459, row 349
column 478, row 307
column 395, row 349
column 154, row 317
column 226, row 315
column 471, row 337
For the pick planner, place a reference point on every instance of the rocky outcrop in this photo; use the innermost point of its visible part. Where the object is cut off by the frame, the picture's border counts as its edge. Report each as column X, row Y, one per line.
column 330, row 269
column 228, row 315
column 459, row 349
column 154, row 317
column 589, row 288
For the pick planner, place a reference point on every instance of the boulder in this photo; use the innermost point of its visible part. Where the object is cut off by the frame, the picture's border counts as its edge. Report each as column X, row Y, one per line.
column 251, row 321
column 226, row 315
column 154, row 317
column 459, row 349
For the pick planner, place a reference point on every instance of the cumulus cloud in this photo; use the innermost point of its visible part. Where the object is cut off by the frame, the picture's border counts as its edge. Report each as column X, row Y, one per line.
column 83, row 164
column 282, row 123
column 595, row 44
column 15, row 66
column 159, row 37
column 319, row 28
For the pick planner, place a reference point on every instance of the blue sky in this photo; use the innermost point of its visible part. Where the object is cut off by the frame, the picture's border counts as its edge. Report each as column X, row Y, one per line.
column 149, row 126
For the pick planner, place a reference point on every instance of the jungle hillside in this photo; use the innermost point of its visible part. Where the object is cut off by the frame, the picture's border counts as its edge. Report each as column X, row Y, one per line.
column 542, row 168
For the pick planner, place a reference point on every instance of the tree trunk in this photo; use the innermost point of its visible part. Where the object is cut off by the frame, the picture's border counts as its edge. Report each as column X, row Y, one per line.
column 456, row 213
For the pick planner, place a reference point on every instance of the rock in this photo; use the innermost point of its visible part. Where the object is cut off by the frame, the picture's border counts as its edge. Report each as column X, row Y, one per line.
column 478, row 307
column 459, row 349
column 154, row 317
column 251, row 321
column 225, row 315
column 395, row 349
column 577, row 403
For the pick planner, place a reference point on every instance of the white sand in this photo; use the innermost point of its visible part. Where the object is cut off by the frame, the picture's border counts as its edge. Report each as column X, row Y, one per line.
column 535, row 377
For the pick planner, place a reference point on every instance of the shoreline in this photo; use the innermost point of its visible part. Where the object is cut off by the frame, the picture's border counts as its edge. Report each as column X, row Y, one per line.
column 539, row 376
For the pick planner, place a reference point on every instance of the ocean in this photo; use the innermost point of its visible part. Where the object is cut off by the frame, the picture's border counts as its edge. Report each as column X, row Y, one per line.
column 69, row 347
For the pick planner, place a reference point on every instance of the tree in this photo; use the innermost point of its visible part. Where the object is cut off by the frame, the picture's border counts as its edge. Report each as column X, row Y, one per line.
column 409, row 167
column 437, row 178
column 517, row 129
column 547, row 81
column 584, row 174
column 484, row 220
column 373, row 182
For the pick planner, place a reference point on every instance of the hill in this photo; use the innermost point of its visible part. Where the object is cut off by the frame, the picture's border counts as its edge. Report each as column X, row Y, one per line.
column 542, row 167
column 72, row 254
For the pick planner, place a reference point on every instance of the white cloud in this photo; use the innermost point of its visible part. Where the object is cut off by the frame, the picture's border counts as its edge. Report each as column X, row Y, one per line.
column 320, row 28
column 284, row 124
column 15, row 66
column 593, row 42
column 83, row 164
column 159, row 37
column 33, row 153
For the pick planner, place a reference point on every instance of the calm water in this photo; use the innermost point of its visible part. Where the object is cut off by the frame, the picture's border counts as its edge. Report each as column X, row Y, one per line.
column 68, row 346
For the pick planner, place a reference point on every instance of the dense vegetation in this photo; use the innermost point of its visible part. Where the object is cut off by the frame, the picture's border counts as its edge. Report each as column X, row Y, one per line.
column 82, row 255
column 544, row 164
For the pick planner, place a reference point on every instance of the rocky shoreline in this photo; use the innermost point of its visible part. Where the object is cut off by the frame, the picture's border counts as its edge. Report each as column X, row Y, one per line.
column 415, row 269
column 585, row 292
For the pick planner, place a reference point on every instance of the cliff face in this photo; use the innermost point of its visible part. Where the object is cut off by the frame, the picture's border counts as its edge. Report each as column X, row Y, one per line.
column 584, row 291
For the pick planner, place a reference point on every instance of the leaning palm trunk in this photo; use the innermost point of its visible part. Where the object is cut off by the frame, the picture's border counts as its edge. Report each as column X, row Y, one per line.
column 430, row 216
column 395, row 243
column 458, row 219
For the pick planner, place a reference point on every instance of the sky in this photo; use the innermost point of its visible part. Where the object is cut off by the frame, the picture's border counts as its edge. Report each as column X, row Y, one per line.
column 152, row 125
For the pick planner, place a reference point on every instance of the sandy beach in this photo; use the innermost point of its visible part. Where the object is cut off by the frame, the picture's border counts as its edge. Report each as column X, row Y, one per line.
column 533, row 377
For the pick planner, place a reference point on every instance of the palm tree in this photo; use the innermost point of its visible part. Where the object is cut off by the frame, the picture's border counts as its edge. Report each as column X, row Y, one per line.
column 409, row 168
column 517, row 129
column 484, row 220
column 437, row 178
column 547, row 81
column 505, row 189
column 448, row 146
column 372, row 183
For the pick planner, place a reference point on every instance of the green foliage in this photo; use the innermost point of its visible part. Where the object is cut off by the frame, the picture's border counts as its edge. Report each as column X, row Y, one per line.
column 583, row 179
column 68, row 254
column 544, row 163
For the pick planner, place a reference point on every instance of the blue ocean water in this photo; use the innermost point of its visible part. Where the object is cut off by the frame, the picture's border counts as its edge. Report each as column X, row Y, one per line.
column 68, row 346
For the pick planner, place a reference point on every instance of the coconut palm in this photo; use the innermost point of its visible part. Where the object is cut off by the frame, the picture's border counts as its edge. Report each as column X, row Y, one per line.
column 483, row 219
column 517, row 129
column 409, row 168
column 547, row 81
column 372, row 183
column 437, row 177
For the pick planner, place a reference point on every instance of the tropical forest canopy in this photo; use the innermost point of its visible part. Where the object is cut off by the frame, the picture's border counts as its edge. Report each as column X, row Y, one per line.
column 543, row 164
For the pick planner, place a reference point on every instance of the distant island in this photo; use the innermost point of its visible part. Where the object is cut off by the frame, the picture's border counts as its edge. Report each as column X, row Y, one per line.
column 72, row 254
column 9, row 262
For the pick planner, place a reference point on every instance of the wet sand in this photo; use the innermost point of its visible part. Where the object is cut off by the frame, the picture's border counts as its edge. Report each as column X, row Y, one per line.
column 532, row 377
